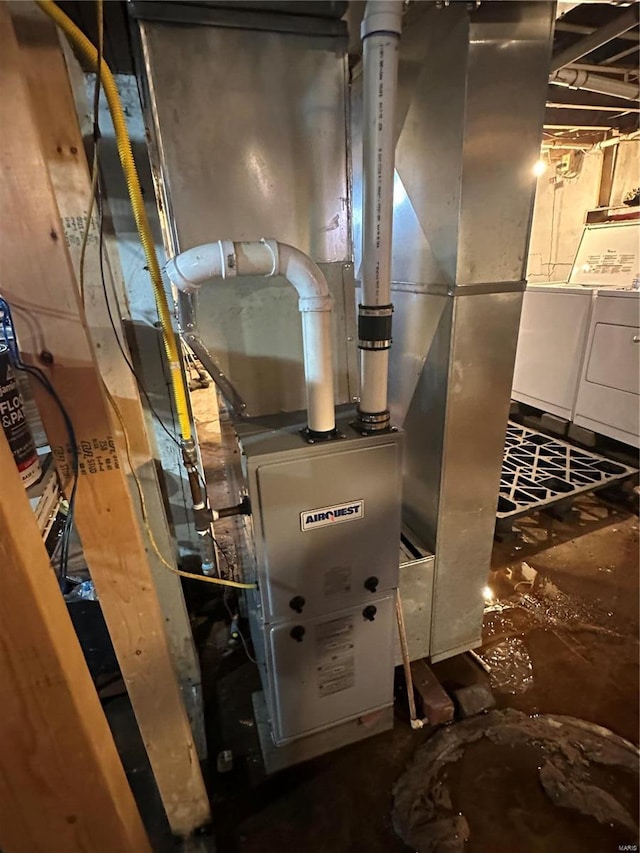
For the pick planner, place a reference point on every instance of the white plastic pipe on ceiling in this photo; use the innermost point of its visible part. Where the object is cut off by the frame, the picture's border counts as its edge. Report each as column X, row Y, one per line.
column 574, row 79
column 225, row 259
column 381, row 28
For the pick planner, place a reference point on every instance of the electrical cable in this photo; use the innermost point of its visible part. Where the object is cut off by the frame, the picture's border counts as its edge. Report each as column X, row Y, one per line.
column 85, row 236
column 94, row 167
column 240, row 634
column 233, row 616
column 145, row 515
column 123, row 142
column 9, row 334
column 124, row 147
column 123, row 352
column 97, row 195
column 114, row 406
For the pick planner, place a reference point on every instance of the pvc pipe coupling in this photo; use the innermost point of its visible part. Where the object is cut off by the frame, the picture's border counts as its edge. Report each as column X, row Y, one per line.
column 382, row 16
column 227, row 259
column 188, row 270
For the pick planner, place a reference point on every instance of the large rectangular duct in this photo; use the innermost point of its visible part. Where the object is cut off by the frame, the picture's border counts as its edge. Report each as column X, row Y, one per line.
column 250, row 141
column 471, row 105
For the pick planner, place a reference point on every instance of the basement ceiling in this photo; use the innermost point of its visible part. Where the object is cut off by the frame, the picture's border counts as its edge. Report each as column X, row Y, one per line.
column 600, row 39
column 592, row 37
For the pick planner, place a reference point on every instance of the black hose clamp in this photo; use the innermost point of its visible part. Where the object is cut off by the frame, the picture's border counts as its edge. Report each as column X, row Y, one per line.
column 374, row 326
column 368, row 423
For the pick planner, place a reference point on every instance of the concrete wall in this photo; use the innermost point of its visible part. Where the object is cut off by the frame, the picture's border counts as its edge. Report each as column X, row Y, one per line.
column 627, row 172
column 558, row 219
column 561, row 205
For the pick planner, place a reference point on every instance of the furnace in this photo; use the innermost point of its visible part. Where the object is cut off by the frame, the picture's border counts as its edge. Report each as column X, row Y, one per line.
column 326, row 526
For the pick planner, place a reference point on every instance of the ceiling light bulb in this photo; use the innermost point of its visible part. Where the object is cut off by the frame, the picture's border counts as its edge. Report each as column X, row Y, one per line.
column 539, row 168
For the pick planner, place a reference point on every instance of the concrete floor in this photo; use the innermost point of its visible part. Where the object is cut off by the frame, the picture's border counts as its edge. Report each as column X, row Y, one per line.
column 581, row 625
column 571, row 615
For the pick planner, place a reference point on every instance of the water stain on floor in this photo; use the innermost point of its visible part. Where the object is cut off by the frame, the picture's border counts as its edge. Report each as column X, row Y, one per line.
column 506, row 781
column 563, row 642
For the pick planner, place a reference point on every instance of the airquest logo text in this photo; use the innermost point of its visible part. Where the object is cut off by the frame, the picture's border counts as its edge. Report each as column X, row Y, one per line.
column 312, row 518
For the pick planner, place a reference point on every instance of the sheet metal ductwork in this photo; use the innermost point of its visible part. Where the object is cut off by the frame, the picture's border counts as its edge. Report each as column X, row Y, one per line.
column 269, row 152
column 472, row 88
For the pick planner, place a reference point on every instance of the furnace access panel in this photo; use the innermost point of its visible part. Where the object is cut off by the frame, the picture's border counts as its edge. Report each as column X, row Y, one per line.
column 326, row 522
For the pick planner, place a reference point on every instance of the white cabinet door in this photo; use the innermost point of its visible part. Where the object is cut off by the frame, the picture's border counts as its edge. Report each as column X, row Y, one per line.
column 608, row 399
column 551, row 341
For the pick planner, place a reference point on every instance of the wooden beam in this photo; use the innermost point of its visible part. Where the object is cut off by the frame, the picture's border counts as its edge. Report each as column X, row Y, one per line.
column 595, row 108
column 38, row 281
column 60, row 773
column 62, row 145
column 582, row 30
column 609, row 158
column 598, row 129
column 618, row 26
column 612, row 59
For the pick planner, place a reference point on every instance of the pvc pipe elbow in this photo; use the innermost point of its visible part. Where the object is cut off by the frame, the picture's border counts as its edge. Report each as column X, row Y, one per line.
column 225, row 259
column 382, row 16
column 306, row 277
column 190, row 269
column 571, row 77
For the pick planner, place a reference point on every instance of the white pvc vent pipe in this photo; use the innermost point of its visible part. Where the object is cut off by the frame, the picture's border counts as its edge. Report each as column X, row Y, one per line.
column 574, row 78
column 226, row 259
column 381, row 28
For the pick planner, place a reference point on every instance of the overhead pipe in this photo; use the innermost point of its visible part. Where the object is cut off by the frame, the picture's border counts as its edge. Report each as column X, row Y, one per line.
column 225, row 259
column 381, row 28
column 572, row 78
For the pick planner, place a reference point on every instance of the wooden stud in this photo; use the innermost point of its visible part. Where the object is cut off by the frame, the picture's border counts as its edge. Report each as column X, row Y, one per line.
column 38, row 281
column 609, row 159
column 62, row 145
column 60, row 773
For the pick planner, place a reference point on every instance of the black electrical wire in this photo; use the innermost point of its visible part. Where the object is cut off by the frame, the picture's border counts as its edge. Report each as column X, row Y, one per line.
column 123, row 352
column 225, row 592
column 99, row 200
column 15, row 358
column 233, row 616
column 125, row 356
